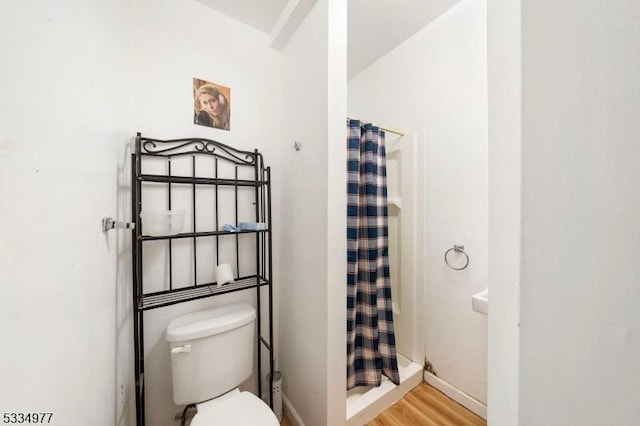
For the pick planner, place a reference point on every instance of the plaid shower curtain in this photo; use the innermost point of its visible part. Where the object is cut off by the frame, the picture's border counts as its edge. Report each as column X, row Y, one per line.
column 371, row 347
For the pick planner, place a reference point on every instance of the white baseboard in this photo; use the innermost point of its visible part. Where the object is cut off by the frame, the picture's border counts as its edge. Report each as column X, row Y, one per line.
column 291, row 412
column 457, row 395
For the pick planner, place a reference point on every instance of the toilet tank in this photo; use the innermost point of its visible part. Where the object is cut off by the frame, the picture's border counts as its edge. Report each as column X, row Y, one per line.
column 211, row 351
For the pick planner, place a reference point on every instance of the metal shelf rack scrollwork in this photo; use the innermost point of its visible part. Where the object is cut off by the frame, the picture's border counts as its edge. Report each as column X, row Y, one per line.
column 256, row 177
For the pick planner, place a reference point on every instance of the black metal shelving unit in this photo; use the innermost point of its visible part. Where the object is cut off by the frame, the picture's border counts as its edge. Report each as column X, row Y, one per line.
column 211, row 162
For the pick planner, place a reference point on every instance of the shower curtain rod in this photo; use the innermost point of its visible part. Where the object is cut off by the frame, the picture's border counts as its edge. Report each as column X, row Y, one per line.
column 386, row 129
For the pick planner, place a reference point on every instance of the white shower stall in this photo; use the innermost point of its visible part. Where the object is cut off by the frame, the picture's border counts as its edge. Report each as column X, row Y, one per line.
column 364, row 403
column 433, row 87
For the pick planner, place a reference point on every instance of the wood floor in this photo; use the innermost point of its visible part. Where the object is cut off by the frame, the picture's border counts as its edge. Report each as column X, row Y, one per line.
column 427, row 406
column 423, row 406
column 285, row 421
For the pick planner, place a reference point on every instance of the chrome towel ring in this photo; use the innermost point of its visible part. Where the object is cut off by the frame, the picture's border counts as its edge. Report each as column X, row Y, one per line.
column 458, row 249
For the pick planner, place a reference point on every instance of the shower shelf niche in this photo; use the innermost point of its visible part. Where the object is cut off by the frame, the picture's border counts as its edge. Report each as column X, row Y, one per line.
column 216, row 185
column 396, row 202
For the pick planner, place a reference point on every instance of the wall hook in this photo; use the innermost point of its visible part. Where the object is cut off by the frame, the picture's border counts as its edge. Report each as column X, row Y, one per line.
column 297, row 145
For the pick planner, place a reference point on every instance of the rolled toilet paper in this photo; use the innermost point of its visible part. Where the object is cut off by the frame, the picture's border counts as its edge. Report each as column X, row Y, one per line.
column 224, row 274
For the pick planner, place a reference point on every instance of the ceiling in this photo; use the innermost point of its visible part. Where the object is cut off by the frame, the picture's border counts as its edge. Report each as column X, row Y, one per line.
column 259, row 14
column 375, row 27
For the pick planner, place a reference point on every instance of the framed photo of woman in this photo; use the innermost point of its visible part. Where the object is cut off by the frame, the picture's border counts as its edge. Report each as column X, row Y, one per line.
column 211, row 104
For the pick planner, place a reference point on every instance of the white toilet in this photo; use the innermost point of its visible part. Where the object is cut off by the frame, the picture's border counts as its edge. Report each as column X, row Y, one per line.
column 211, row 355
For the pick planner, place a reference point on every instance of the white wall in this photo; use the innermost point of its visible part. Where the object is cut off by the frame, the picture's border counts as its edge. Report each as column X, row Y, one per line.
column 313, row 246
column 336, row 213
column 303, row 255
column 173, row 42
column 504, row 209
column 436, row 81
column 580, row 230
column 63, row 126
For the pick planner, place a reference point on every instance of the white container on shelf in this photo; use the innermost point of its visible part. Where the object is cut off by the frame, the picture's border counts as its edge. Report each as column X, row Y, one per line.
column 160, row 223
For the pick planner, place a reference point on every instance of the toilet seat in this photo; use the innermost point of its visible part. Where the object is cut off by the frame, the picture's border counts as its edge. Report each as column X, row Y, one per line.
column 235, row 409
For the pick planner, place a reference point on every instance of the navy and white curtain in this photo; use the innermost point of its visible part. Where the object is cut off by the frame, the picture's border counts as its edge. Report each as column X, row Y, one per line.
column 371, row 348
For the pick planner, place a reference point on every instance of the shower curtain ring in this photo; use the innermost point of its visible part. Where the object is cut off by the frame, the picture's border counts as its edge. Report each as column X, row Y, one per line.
column 458, row 249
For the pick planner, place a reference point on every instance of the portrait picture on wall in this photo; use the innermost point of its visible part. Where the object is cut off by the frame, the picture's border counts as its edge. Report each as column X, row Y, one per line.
column 211, row 104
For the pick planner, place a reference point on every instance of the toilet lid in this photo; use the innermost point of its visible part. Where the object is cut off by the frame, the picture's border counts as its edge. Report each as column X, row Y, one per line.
column 241, row 409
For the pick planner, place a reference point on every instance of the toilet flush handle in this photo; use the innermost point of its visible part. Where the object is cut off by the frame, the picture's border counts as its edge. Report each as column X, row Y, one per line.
column 181, row 349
